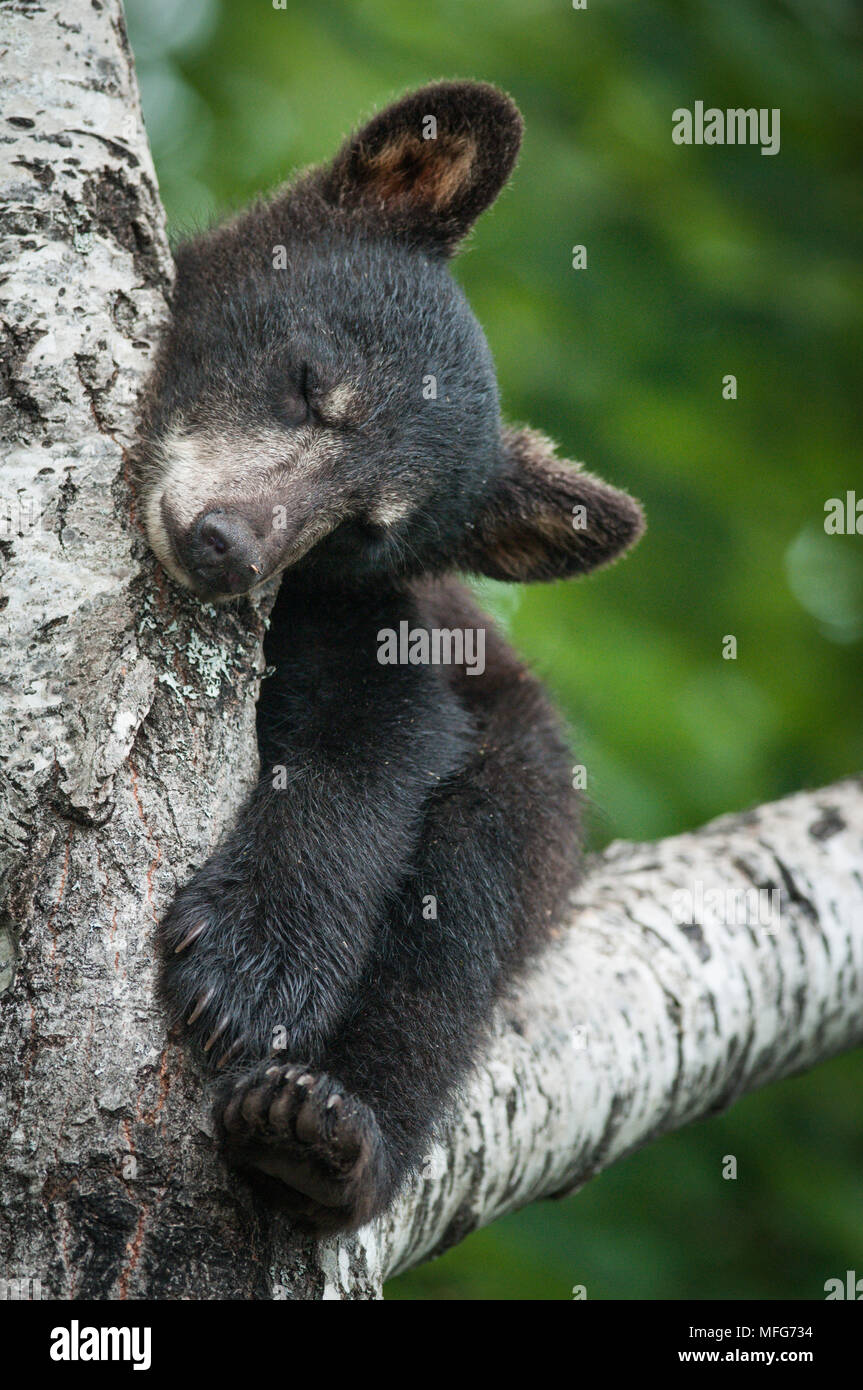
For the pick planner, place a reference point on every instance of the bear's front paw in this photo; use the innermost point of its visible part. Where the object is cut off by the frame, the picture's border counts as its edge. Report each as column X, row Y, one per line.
column 221, row 971
column 300, row 1127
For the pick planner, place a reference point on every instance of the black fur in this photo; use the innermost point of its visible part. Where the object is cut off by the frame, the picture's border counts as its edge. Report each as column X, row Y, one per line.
column 384, row 789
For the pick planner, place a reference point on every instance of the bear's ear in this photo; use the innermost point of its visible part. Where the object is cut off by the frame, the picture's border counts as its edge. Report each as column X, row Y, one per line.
column 427, row 166
column 543, row 519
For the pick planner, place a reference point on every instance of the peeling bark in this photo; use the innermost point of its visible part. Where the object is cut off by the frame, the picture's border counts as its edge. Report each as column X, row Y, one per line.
column 127, row 743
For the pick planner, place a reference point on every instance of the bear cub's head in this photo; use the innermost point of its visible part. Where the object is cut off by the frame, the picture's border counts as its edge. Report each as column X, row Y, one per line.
column 325, row 399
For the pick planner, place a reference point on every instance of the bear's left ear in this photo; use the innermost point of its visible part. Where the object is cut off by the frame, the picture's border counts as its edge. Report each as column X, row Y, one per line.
column 543, row 519
column 427, row 166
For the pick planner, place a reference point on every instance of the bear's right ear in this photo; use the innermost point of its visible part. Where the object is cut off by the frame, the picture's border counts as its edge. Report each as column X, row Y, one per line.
column 427, row 166
column 543, row 519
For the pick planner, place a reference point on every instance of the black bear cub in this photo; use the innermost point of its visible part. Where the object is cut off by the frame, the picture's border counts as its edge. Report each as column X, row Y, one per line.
column 325, row 408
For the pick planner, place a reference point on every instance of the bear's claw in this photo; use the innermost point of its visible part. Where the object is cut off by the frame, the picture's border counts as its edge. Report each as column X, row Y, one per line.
column 200, row 1005
column 190, row 937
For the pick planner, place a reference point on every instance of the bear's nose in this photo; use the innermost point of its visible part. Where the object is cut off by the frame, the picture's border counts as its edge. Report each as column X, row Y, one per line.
column 223, row 553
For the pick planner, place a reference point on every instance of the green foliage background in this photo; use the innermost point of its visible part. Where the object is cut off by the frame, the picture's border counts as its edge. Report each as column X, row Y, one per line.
column 701, row 262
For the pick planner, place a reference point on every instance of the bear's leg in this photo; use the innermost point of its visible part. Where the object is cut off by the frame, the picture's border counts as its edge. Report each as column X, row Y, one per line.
column 268, row 943
column 497, row 854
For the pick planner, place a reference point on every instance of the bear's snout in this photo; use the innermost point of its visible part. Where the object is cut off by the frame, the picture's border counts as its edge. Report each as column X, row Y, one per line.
column 222, row 554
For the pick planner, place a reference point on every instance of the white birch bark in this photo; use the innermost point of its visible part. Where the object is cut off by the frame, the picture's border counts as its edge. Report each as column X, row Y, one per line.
column 664, row 999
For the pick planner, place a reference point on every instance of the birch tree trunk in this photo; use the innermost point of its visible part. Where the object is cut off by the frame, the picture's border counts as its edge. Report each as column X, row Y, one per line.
column 128, row 719
column 127, row 743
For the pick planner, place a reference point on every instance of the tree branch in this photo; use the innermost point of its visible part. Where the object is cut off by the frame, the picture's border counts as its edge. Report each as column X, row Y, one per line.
column 127, row 744
column 663, row 1000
